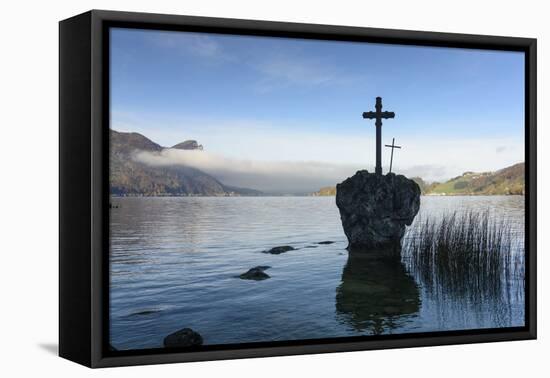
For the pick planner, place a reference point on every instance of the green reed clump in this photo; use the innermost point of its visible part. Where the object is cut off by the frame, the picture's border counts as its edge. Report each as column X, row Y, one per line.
column 465, row 255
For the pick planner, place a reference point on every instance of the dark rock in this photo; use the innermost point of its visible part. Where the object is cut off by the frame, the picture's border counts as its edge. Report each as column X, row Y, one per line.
column 144, row 312
column 183, row 338
column 280, row 249
column 375, row 209
column 311, row 246
column 256, row 273
column 326, row 242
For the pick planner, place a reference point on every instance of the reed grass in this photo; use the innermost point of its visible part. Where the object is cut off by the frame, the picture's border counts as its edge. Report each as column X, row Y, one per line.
column 467, row 255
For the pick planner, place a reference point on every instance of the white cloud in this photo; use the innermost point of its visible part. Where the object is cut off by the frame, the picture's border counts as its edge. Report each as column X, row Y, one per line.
column 279, row 71
column 268, row 176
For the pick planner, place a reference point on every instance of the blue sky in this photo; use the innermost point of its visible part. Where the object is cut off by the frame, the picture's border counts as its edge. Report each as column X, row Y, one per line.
column 288, row 100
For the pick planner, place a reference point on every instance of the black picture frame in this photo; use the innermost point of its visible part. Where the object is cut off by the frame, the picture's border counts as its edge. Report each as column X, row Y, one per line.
column 84, row 187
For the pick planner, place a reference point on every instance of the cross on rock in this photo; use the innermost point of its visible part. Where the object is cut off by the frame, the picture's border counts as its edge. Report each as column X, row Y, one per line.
column 392, row 148
column 378, row 115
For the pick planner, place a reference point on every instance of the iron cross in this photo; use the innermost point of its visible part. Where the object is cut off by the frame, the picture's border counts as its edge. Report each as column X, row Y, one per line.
column 378, row 115
column 392, row 147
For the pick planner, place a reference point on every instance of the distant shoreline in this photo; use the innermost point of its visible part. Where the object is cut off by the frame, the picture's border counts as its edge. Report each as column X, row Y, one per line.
column 505, row 181
column 304, row 195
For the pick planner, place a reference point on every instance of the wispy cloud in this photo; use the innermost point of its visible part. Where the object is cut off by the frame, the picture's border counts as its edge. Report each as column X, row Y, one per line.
column 428, row 172
column 189, row 43
column 280, row 71
column 275, row 70
column 501, row 149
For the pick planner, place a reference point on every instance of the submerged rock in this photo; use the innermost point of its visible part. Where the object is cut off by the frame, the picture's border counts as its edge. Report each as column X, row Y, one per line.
column 185, row 337
column 326, row 242
column 144, row 312
column 256, row 274
column 375, row 209
column 280, row 249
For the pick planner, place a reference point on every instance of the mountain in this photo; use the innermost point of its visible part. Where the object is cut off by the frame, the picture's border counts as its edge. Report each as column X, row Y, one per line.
column 188, row 145
column 126, row 143
column 129, row 177
column 509, row 180
column 506, row 181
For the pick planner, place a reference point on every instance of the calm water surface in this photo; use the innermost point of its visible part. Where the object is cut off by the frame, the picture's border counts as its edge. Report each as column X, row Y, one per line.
column 174, row 261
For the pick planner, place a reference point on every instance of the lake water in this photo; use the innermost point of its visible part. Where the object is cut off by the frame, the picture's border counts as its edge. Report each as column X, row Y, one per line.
column 174, row 262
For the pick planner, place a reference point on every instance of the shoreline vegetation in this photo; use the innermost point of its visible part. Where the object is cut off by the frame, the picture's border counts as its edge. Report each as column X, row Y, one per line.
column 470, row 255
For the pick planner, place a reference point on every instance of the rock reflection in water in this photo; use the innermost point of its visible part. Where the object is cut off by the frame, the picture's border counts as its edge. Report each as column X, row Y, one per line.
column 376, row 294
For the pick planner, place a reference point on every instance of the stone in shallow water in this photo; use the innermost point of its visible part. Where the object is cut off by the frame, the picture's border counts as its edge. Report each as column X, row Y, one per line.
column 280, row 249
column 185, row 337
column 256, row 273
column 375, row 209
column 145, row 312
